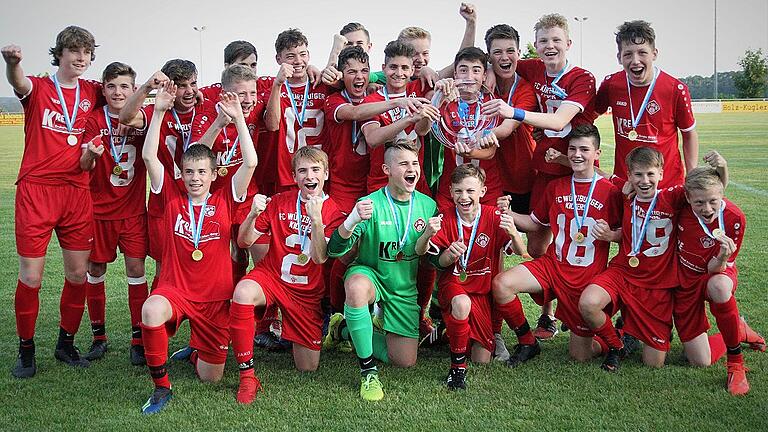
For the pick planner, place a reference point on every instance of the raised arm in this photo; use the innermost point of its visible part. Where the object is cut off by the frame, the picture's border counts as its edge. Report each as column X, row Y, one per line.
column 368, row 110
column 130, row 113
column 273, row 112
column 318, row 243
column 13, row 71
column 163, row 102
column 230, row 106
column 247, row 234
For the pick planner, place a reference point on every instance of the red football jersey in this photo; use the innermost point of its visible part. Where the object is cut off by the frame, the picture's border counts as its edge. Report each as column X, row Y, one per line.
column 483, row 260
column 292, row 134
column 578, row 261
column 117, row 196
column 48, row 158
column 579, row 86
column 225, row 140
column 349, row 164
column 515, row 153
column 695, row 248
column 658, row 263
column 376, row 177
column 450, row 120
column 279, row 220
column 170, row 149
column 209, row 279
column 668, row 109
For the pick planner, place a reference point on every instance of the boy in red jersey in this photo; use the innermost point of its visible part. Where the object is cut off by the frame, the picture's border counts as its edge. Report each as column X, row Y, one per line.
column 238, row 52
column 196, row 282
column 582, row 233
column 565, row 94
column 711, row 229
column 174, row 139
column 295, row 105
column 467, row 248
column 56, row 109
column 119, row 189
column 291, row 275
column 396, row 123
column 648, row 106
column 641, row 279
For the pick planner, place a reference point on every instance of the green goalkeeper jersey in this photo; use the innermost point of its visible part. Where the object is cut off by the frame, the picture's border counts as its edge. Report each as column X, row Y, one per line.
column 379, row 239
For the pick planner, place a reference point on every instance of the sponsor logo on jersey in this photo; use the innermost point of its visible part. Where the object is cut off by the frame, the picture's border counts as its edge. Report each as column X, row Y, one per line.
column 419, row 225
column 482, row 240
column 388, row 250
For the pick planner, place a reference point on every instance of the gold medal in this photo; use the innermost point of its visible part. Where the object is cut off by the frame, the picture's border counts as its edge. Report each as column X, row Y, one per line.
column 717, row 232
column 117, row 170
column 72, row 140
column 197, row 255
column 632, row 135
column 634, row 261
column 303, row 258
column 462, row 276
column 579, row 237
column 223, row 171
column 400, row 255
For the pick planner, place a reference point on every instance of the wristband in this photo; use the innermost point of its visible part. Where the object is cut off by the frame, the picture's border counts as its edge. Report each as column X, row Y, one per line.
column 352, row 220
column 518, row 115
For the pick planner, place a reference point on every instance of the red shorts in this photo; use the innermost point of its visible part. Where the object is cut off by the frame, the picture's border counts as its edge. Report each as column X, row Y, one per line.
column 554, row 286
column 647, row 312
column 480, row 327
column 689, row 311
column 302, row 317
column 156, row 237
column 540, row 183
column 129, row 234
column 208, row 323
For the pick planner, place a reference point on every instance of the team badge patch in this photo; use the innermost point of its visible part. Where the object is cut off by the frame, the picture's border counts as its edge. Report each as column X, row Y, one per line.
column 653, row 107
column 707, row 242
column 210, row 210
column 85, row 105
column 482, row 240
column 419, row 225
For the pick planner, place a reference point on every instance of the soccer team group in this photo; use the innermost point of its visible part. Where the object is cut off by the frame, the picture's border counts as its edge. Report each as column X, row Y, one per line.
column 348, row 235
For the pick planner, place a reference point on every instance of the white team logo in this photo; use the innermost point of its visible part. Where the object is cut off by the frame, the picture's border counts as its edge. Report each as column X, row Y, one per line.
column 653, row 107
column 707, row 242
column 419, row 225
column 210, row 210
column 482, row 240
column 85, row 105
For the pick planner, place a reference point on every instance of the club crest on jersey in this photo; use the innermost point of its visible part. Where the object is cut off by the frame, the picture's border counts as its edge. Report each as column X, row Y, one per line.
column 482, row 240
column 653, row 107
column 210, row 210
column 707, row 242
column 85, row 105
column 419, row 225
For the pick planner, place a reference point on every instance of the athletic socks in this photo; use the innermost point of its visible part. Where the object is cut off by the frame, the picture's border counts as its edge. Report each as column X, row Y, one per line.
column 716, row 347
column 241, row 330
column 425, row 283
column 137, row 295
column 367, row 365
column 513, row 314
column 458, row 334
column 27, row 305
column 727, row 319
column 608, row 333
column 336, row 285
column 156, row 352
column 72, row 306
column 96, row 298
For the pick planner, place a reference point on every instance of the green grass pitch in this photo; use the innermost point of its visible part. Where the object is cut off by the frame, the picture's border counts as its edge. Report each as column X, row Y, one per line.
column 550, row 393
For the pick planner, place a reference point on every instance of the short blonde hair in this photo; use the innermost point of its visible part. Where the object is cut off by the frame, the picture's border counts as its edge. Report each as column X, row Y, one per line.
column 644, row 157
column 312, row 154
column 411, row 33
column 549, row 21
column 702, row 178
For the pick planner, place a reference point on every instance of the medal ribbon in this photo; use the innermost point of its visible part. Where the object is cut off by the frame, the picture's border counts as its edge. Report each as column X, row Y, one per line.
column 512, row 90
column 196, row 228
column 354, row 122
column 230, row 151
column 303, row 233
column 464, row 258
column 580, row 220
column 69, row 121
column 558, row 90
column 116, row 155
column 300, row 119
column 404, row 237
column 646, row 98
column 720, row 222
column 638, row 236
column 187, row 137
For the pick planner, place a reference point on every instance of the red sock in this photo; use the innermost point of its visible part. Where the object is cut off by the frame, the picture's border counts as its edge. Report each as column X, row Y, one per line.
column 96, row 297
column 736, row 358
column 269, row 316
column 137, row 295
column 458, row 333
column 608, row 333
column 727, row 319
column 716, row 347
column 336, row 285
column 513, row 314
column 241, row 330
column 72, row 306
column 156, row 352
column 27, row 304
column 496, row 319
column 603, row 345
column 425, row 284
